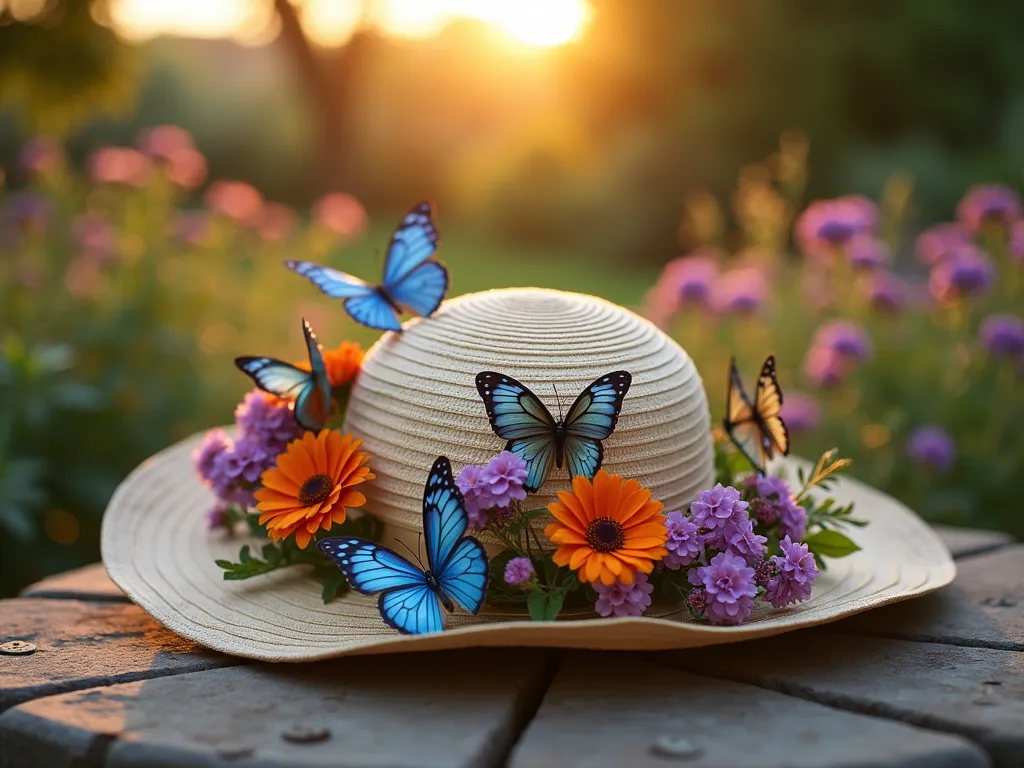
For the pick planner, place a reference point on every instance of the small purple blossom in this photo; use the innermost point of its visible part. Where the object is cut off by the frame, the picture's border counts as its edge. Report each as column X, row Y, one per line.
column 246, row 460
column 741, row 540
column 215, row 442
column 968, row 271
column 504, row 476
column 764, row 511
column 825, row 367
column 729, row 585
column 932, row 447
column 827, row 224
column 271, row 423
column 886, row 292
column 764, row 571
column 620, row 599
column 937, row 242
column 690, row 278
column 684, row 543
column 865, row 252
column 988, row 202
column 518, row 571
column 801, row 412
column 217, row 517
column 795, row 572
column 717, row 508
column 740, row 291
column 1003, row 335
column 697, row 600
column 476, row 492
column 847, row 339
column 792, row 516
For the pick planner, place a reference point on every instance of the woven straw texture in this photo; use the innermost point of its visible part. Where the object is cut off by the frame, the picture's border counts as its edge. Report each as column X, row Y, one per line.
column 157, row 548
column 416, row 396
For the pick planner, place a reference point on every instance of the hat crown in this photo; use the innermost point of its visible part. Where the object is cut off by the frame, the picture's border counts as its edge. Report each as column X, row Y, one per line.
column 416, row 398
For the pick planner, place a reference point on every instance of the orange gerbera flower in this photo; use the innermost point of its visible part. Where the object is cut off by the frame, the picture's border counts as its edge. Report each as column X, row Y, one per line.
column 311, row 486
column 607, row 529
column 342, row 362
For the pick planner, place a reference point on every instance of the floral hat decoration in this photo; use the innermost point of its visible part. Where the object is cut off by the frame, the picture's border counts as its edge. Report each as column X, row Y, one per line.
column 515, row 467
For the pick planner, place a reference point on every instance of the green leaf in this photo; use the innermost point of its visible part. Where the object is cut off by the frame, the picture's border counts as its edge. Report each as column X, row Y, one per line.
column 830, row 544
column 545, row 606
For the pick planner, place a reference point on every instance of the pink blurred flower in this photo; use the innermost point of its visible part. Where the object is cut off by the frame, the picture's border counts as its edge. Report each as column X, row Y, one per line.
column 40, row 156
column 866, row 252
column 825, row 367
column 801, row 412
column 192, row 227
column 340, row 213
column 162, row 142
column 937, row 242
column 740, row 291
column 988, row 202
column 826, row 224
column 94, row 237
column 119, row 165
column 186, row 168
column 277, row 223
column 237, row 200
column 886, row 292
column 847, row 339
column 968, row 271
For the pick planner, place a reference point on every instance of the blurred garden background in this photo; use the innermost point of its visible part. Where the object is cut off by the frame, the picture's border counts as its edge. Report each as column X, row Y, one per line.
column 796, row 177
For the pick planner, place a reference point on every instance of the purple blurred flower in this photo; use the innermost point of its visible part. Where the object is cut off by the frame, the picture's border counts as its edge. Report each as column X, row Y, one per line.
column 277, row 223
column 740, row 291
column 217, row 517
column 25, row 211
column 215, row 442
column 193, row 228
column 690, row 278
column 270, row 423
column 937, row 242
column 866, row 252
column 825, row 367
column 968, row 271
column 801, row 412
column 988, row 202
column 718, row 508
column 729, row 586
column 1003, row 335
column 684, row 543
column 623, row 599
column 847, row 339
column 795, row 572
column 932, row 447
column 40, row 156
column 119, row 165
column 518, row 571
column 340, row 213
column 504, row 476
column 826, row 224
column 239, row 201
column 886, row 292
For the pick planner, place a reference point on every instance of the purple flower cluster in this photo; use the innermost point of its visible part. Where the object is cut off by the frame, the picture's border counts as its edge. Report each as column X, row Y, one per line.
column 837, row 348
column 495, row 485
column 1003, row 336
column 988, row 202
column 728, row 588
column 794, row 571
column 932, row 447
column 867, row 253
column 740, row 291
column 791, row 517
column 518, row 571
column 685, row 544
column 965, row 272
column 620, row 599
column 722, row 517
column 232, row 468
column 937, row 242
column 829, row 224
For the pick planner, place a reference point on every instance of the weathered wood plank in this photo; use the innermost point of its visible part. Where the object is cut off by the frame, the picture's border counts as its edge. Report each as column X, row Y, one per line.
column 975, row 692
column 444, row 709
column 82, row 645
column 964, row 542
column 88, row 583
column 615, row 710
column 984, row 607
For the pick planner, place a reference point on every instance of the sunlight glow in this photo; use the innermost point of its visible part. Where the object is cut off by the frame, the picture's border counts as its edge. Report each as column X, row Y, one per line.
column 536, row 23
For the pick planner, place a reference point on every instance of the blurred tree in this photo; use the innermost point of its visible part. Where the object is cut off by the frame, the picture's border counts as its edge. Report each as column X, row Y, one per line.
column 60, row 68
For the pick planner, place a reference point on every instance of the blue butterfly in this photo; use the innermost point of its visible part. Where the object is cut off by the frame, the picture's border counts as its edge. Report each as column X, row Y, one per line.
column 311, row 390
column 410, row 597
column 518, row 415
column 413, row 282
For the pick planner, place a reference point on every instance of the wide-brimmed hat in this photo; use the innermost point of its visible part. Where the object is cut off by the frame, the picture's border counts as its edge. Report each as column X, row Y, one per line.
column 415, row 400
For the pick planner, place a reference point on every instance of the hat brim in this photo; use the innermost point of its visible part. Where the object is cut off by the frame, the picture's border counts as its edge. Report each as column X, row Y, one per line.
column 158, row 549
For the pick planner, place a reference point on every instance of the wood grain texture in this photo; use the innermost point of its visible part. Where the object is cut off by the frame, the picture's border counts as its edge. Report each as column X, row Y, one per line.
column 450, row 709
column 975, row 692
column 964, row 542
column 984, row 607
column 606, row 710
column 87, row 583
column 81, row 645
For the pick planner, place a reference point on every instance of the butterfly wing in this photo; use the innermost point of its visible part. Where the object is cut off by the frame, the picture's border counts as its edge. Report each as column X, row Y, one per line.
column 422, row 290
column 374, row 311
column 413, row 243
column 411, row 610
column 741, row 422
column 768, row 407
column 363, row 302
column 313, row 404
column 464, row 576
column 518, row 416
column 591, row 419
column 275, row 376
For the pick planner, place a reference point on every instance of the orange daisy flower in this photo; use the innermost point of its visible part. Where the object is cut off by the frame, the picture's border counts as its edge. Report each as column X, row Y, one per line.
column 607, row 529
column 311, row 486
column 342, row 362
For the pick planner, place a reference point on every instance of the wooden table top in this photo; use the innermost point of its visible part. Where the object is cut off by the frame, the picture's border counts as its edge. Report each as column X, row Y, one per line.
column 937, row 681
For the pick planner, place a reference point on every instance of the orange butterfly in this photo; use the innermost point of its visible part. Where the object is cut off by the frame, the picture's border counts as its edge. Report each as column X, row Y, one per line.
column 757, row 428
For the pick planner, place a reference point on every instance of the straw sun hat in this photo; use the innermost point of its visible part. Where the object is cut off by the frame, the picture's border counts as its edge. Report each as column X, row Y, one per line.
column 415, row 399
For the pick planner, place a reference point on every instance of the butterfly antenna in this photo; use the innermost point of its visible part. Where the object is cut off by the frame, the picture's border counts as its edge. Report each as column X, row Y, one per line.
column 558, row 401
column 415, row 555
